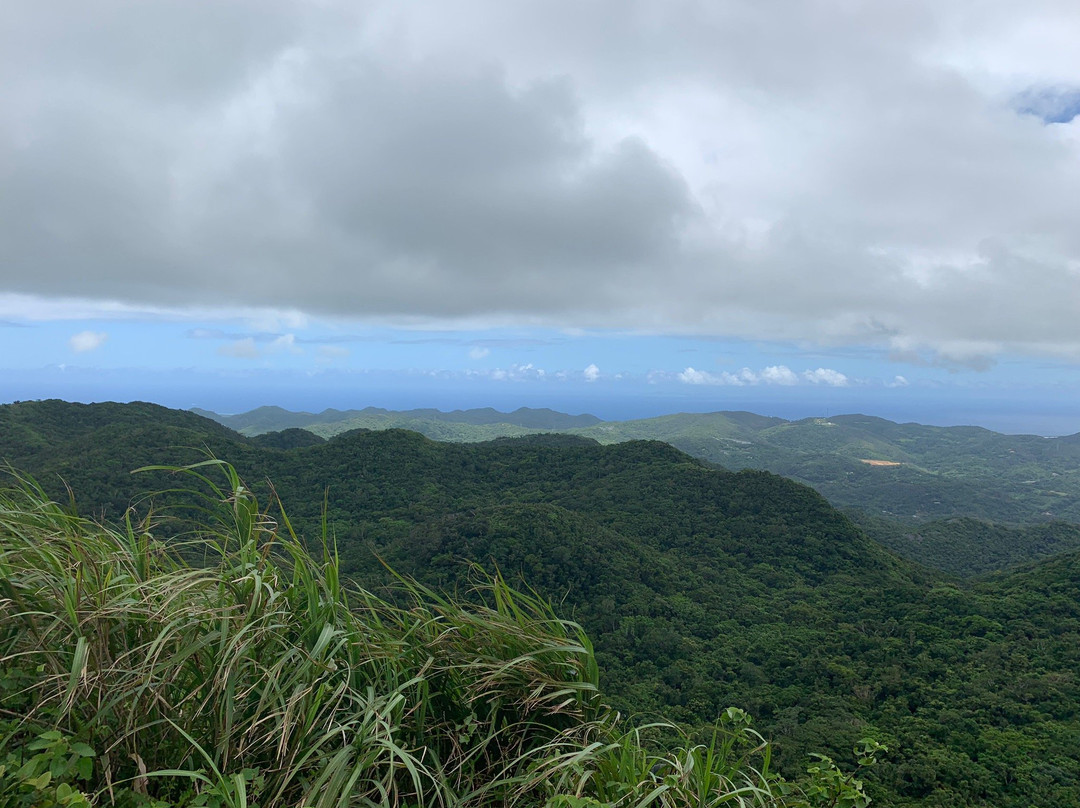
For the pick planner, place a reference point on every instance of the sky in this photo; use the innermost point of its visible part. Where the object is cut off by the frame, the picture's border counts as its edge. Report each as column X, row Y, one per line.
column 620, row 207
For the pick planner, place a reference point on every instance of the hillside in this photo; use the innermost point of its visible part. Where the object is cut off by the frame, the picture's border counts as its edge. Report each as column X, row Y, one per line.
column 486, row 423
column 905, row 472
column 258, row 679
column 702, row 588
column 920, row 472
column 967, row 546
column 93, row 447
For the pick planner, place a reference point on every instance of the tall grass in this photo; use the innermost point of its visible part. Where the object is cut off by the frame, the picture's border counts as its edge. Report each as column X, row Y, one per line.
column 134, row 675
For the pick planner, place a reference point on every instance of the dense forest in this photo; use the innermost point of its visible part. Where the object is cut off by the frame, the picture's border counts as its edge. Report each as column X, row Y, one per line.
column 701, row 588
column 233, row 668
column 906, row 473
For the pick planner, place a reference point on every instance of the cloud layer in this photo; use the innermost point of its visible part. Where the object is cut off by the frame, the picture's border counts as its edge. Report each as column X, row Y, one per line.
column 771, row 375
column 895, row 174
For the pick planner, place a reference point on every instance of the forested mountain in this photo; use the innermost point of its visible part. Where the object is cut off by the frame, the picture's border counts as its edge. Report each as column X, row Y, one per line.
column 905, row 472
column 912, row 471
column 94, row 447
column 702, row 588
column 488, row 423
column 966, row 546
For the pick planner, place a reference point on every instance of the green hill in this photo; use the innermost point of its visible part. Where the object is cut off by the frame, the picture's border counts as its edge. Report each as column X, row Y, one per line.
column 292, row 438
column 906, row 472
column 967, row 546
column 93, row 447
column 488, row 423
column 900, row 471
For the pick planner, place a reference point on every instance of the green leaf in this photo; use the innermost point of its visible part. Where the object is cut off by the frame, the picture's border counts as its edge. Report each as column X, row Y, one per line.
column 39, row 782
column 84, row 769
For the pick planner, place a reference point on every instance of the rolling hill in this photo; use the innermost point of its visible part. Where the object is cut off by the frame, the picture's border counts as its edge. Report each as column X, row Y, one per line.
column 487, row 423
column 906, row 472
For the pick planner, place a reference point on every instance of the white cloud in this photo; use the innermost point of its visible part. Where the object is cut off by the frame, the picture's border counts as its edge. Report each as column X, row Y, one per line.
column 592, row 373
column 898, row 381
column 478, row 352
column 771, row 375
column 515, row 373
column 87, row 341
column 691, row 376
column 833, row 378
column 240, row 349
column 779, row 374
column 742, row 378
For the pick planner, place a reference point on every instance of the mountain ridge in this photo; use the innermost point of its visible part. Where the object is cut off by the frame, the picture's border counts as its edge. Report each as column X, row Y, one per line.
column 273, row 419
column 908, row 472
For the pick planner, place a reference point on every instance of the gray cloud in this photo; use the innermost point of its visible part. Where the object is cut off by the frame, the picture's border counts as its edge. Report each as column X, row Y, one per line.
column 844, row 175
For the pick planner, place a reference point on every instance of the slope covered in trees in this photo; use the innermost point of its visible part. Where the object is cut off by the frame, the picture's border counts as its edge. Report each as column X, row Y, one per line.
column 486, row 422
column 702, row 589
column 907, row 472
column 132, row 677
column 967, row 546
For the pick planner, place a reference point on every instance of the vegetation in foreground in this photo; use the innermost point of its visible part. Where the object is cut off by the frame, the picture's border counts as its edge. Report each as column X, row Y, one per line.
column 232, row 669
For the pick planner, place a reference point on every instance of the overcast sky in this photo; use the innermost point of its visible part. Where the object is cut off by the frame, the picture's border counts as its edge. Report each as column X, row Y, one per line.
column 807, row 204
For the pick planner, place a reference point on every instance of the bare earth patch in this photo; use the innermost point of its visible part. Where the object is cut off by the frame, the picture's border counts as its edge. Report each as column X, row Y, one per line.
column 880, row 462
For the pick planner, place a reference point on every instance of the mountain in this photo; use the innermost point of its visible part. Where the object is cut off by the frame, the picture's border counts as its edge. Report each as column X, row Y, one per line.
column 332, row 422
column 93, row 448
column 292, row 438
column 701, row 587
column 900, row 471
column 904, row 472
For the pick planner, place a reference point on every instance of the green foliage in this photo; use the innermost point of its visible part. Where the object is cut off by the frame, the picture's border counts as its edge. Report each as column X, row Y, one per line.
column 261, row 673
column 46, row 773
column 286, row 439
column 829, row 787
column 967, row 546
column 259, row 679
column 942, row 472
